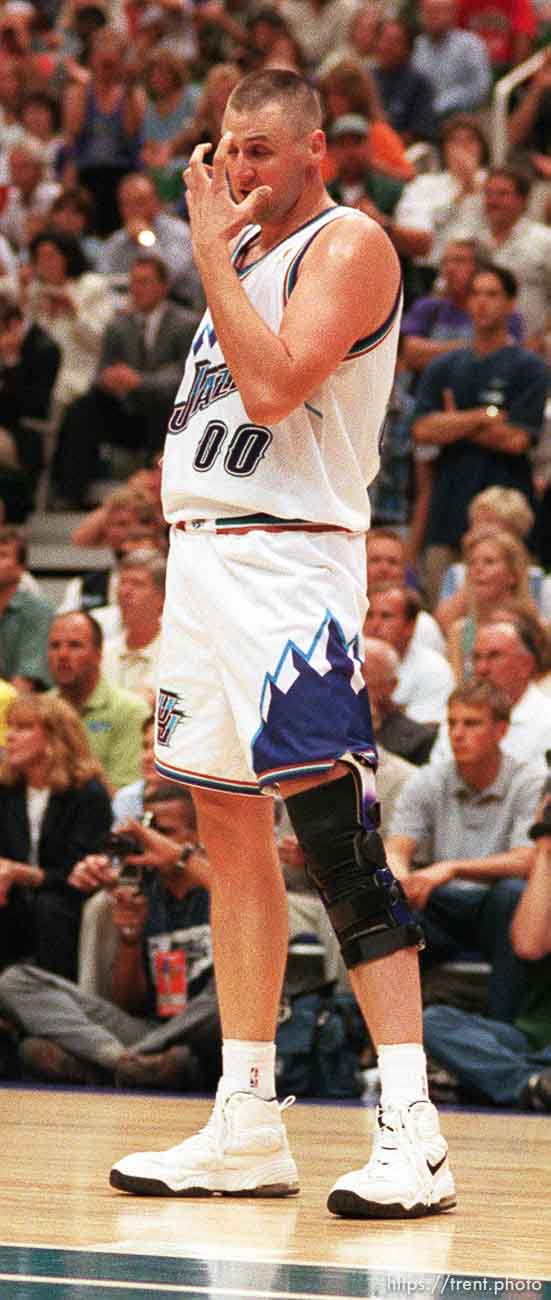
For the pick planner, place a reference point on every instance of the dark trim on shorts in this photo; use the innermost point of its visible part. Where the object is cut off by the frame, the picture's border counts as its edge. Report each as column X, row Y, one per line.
column 207, row 782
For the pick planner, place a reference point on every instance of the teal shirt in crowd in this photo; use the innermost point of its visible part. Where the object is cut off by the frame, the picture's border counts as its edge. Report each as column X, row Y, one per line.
column 24, row 627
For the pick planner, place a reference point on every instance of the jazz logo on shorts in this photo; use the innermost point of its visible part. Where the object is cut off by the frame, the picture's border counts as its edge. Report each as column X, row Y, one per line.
column 169, row 716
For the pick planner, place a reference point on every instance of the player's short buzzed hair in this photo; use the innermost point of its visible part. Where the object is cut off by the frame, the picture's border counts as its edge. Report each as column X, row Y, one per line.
column 277, row 85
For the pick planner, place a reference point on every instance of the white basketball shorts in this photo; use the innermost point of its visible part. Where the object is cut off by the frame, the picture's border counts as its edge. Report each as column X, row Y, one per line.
column 260, row 661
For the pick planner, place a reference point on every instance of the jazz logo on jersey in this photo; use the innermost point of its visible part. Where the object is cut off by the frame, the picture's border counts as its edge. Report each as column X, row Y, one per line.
column 210, row 383
column 169, row 716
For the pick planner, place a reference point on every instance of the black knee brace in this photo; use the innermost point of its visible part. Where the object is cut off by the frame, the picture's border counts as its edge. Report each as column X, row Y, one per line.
column 345, row 860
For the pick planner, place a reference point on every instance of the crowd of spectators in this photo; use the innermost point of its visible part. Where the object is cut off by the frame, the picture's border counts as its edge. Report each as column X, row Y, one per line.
column 104, row 887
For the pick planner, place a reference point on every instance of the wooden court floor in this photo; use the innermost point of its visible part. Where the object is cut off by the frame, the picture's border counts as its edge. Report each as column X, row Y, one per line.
column 66, row 1235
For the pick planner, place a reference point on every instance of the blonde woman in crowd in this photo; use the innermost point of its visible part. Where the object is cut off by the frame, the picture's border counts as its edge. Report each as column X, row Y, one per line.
column 54, row 809
column 496, row 579
column 495, row 508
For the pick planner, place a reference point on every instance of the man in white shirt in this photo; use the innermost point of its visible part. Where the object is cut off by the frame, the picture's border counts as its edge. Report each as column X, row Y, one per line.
column 387, row 562
column 507, row 655
column 425, row 678
column 130, row 657
column 29, row 195
column 497, row 219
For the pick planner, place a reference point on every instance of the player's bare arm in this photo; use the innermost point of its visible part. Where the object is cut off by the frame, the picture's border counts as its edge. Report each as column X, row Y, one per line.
column 347, row 286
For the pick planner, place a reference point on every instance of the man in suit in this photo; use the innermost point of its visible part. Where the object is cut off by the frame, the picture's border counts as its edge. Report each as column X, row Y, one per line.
column 143, row 350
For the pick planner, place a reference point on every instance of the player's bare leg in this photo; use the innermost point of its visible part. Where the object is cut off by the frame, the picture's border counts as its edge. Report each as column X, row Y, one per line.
column 395, row 1020
column 249, row 918
column 243, row 1150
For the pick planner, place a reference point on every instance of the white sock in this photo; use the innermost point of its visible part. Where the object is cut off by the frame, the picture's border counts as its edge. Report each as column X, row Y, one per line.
column 403, row 1071
column 249, row 1067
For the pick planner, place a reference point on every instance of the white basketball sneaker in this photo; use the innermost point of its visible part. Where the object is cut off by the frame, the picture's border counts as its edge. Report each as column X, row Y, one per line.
column 408, row 1173
column 241, row 1151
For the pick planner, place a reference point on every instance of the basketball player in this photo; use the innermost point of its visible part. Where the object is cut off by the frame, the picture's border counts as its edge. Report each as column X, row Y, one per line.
column 273, row 440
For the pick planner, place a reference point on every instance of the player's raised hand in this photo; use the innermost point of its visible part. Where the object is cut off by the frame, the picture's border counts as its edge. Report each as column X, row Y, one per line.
column 213, row 212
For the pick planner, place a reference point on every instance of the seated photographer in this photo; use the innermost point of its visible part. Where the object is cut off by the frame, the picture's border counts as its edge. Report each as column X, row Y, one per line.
column 160, row 1028
column 509, row 1064
column 97, row 933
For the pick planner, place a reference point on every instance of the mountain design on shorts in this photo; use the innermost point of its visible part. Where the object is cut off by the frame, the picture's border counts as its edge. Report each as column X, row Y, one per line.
column 315, row 705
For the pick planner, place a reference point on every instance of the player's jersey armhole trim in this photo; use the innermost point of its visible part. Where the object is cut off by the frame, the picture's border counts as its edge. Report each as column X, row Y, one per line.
column 252, row 233
column 361, row 346
column 294, row 266
column 247, row 235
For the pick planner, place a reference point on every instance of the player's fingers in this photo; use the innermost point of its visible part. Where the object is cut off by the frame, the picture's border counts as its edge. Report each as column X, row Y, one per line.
column 199, row 154
column 196, row 167
column 220, row 159
column 255, row 201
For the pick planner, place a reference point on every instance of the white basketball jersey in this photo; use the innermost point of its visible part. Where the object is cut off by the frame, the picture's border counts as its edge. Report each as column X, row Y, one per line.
column 313, row 466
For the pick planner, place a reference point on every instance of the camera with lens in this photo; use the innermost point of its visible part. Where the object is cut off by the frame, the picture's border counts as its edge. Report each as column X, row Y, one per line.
column 117, row 846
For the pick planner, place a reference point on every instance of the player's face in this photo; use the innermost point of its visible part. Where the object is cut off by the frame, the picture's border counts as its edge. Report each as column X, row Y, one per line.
column 267, row 149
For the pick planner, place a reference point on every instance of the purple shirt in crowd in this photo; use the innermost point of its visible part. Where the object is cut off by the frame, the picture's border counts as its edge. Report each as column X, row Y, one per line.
column 438, row 318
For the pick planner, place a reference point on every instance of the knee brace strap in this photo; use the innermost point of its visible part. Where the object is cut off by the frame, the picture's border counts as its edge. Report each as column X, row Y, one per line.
column 345, row 860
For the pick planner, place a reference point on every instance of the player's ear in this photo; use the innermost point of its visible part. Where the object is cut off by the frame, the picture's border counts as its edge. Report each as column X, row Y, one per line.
column 318, row 145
